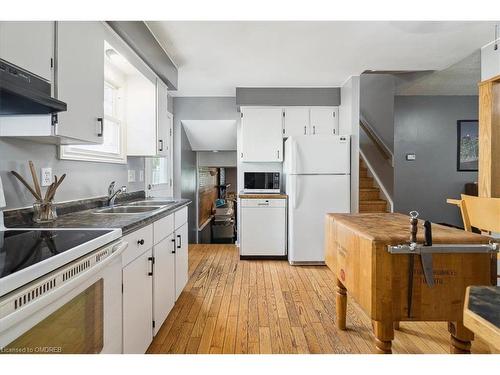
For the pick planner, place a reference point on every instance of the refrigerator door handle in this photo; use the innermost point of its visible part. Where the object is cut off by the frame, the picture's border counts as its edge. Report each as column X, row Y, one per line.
column 295, row 192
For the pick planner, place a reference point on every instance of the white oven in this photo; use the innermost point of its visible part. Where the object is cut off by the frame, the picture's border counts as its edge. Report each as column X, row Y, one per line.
column 74, row 309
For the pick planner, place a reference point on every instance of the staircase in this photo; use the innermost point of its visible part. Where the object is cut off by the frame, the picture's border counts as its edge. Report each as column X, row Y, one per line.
column 369, row 194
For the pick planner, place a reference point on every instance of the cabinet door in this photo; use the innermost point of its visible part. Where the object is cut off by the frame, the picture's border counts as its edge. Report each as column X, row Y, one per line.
column 138, row 304
column 163, row 280
column 181, row 259
column 261, row 134
column 296, row 121
column 162, row 118
column 324, row 120
column 29, row 45
column 80, row 79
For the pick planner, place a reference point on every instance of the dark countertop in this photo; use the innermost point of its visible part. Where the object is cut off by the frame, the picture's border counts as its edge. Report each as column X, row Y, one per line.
column 484, row 301
column 88, row 218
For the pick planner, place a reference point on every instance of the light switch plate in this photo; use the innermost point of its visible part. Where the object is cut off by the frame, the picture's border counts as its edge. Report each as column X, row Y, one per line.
column 141, row 175
column 46, row 176
column 131, row 175
column 411, row 157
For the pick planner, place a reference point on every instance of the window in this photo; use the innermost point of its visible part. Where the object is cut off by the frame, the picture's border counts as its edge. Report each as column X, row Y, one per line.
column 113, row 147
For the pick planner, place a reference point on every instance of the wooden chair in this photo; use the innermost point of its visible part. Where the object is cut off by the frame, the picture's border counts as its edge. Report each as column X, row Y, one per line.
column 479, row 212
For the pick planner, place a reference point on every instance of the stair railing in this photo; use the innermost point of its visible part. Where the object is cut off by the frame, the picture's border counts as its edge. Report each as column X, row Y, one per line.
column 377, row 140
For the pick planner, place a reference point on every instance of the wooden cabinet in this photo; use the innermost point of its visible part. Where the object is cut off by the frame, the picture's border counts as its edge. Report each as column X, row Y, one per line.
column 80, row 79
column 324, row 120
column 261, row 134
column 181, row 259
column 138, row 304
column 310, row 121
column 164, row 293
column 29, row 45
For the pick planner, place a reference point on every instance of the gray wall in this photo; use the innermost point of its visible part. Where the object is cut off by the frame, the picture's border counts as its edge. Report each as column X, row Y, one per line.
column 83, row 180
column 194, row 108
column 377, row 104
column 288, row 96
column 377, row 107
column 427, row 126
column 188, row 182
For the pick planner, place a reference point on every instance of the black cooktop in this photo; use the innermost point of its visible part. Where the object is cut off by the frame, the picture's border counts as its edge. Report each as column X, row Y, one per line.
column 20, row 249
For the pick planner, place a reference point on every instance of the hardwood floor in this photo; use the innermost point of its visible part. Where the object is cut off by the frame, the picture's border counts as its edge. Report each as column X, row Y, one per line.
column 233, row 306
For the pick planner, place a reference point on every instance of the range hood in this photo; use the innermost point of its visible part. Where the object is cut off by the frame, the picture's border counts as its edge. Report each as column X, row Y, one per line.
column 23, row 93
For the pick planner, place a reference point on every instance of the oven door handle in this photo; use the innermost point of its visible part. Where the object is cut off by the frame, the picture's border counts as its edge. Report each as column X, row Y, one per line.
column 58, row 292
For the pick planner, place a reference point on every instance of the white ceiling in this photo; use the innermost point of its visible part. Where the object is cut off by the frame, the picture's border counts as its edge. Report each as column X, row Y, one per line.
column 214, row 57
column 461, row 78
column 209, row 135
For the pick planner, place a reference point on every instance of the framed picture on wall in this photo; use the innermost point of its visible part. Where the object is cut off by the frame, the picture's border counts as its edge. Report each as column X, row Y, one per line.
column 467, row 145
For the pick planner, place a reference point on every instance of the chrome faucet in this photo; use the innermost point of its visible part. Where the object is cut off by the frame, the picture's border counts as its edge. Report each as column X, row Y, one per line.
column 112, row 194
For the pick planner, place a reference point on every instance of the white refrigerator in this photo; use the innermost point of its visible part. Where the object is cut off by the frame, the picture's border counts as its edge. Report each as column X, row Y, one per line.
column 317, row 181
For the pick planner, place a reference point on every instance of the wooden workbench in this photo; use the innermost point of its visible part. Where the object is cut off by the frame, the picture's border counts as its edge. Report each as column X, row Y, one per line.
column 356, row 251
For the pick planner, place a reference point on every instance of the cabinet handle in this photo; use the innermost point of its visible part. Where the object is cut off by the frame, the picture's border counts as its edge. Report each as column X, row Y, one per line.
column 100, row 124
column 161, row 145
column 305, row 130
column 278, row 154
column 314, row 129
column 140, row 242
column 180, row 241
column 152, row 260
column 173, row 242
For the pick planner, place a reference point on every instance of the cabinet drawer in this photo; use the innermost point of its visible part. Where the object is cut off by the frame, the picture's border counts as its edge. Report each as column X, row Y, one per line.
column 180, row 217
column 263, row 203
column 138, row 242
column 163, row 228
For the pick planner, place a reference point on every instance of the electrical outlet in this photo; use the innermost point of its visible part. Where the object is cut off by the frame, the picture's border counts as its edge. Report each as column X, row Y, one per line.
column 46, row 176
column 131, row 175
column 141, row 175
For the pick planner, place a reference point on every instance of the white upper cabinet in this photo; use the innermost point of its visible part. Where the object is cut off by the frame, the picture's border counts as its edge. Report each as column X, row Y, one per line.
column 310, row 121
column 261, row 134
column 80, row 79
column 141, row 117
column 324, row 120
column 296, row 121
column 29, row 45
column 163, row 119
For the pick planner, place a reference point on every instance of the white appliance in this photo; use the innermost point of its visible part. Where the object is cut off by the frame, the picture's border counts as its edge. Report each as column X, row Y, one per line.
column 261, row 182
column 73, row 308
column 263, row 227
column 317, row 181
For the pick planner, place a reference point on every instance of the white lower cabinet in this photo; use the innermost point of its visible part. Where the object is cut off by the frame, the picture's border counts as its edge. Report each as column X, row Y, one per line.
column 181, row 259
column 155, row 271
column 138, row 304
column 164, row 294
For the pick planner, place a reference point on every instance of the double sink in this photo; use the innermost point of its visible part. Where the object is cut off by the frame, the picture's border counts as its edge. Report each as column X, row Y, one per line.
column 135, row 207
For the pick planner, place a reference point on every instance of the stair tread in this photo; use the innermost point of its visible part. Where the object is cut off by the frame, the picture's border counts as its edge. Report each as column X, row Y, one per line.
column 374, row 201
column 369, row 189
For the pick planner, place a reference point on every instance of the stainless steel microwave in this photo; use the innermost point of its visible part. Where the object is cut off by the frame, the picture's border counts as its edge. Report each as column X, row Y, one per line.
column 262, row 182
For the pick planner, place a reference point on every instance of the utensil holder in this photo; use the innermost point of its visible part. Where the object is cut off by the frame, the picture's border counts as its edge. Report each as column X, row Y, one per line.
column 44, row 212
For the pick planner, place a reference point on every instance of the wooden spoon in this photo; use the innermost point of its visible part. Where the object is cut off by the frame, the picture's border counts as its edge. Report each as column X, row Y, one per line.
column 23, row 181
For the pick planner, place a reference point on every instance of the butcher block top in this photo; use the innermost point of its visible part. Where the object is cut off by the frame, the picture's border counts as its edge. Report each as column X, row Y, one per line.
column 394, row 229
column 263, row 196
